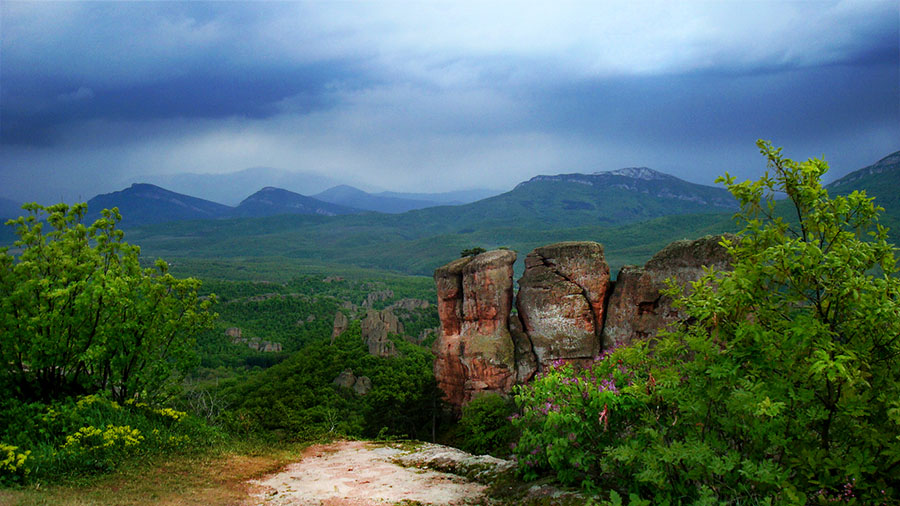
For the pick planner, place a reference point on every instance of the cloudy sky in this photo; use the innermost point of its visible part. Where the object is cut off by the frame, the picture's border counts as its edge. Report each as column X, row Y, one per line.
column 435, row 96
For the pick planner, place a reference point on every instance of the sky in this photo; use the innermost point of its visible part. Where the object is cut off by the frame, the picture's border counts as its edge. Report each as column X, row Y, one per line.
column 428, row 96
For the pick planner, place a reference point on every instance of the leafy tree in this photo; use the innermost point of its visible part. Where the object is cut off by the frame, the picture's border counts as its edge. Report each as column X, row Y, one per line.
column 783, row 387
column 470, row 252
column 78, row 313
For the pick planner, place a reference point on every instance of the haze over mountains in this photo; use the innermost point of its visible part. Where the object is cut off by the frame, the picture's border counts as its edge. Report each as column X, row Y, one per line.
column 614, row 197
column 231, row 188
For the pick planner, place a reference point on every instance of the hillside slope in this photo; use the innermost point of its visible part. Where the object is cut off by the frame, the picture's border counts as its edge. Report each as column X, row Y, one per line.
column 272, row 201
column 349, row 196
column 142, row 204
column 880, row 180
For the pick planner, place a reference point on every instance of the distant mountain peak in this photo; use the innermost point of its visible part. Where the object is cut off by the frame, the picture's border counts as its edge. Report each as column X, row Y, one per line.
column 889, row 164
column 645, row 173
column 271, row 201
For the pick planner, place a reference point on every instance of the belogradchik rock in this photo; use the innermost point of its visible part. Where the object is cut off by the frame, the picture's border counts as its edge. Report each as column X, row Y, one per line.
column 566, row 309
column 636, row 309
column 561, row 301
column 340, row 325
column 475, row 353
column 375, row 328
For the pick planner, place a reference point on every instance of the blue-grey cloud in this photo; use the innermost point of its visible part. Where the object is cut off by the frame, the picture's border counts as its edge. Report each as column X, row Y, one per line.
column 439, row 94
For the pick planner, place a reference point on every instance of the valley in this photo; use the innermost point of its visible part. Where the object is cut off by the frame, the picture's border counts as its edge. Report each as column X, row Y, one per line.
column 334, row 325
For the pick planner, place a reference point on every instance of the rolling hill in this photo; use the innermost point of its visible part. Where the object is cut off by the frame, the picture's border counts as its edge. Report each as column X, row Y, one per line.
column 606, row 207
column 353, row 197
column 272, row 201
column 393, row 202
column 143, row 203
column 232, row 187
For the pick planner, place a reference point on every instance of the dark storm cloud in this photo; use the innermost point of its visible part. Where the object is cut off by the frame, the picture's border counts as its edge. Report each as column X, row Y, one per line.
column 36, row 109
column 439, row 93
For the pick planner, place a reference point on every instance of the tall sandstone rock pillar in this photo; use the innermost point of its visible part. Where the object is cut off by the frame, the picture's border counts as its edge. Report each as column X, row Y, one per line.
column 475, row 352
column 637, row 310
column 561, row 302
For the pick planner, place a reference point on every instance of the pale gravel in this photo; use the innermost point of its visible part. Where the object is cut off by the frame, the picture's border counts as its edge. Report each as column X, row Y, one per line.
column 353, row 473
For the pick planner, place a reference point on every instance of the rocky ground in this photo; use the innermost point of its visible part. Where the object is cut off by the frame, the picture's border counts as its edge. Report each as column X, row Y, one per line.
column 355, row 473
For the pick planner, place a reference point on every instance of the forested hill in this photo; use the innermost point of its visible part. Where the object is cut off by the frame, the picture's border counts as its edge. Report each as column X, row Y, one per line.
column 880, row 180
column 272, row 201
column 146, row 203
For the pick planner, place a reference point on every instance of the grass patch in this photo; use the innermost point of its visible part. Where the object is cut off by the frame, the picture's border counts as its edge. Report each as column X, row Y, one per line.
column 215, row 476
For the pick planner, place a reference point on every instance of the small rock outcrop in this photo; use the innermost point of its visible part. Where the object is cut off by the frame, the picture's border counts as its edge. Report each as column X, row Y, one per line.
column 410, row 304
column 636, row 309
column 340, row 325
column 475, row 351
column 380, row 295
column 561, row 301
column 484, row 468
column 375, row 328
column 233, row 332
column 361, row 385
column 345, row 379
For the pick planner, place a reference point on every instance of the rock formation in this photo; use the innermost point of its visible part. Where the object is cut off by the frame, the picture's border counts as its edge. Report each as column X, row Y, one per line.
column 567, row 309
column 361, row 385
column 410, row 304
column 375, row 328
column 475, row 351
column 373, row 297
column 561, row 301
column 345, row 379
column 636, row 309
column 340, row 325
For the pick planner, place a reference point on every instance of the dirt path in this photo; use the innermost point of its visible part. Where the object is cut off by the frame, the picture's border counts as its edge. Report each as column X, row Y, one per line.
column 354, row 473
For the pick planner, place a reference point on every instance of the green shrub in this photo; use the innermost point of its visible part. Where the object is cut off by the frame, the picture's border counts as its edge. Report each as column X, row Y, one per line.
column 485, row 427
column 91, row 434
column 13, row 464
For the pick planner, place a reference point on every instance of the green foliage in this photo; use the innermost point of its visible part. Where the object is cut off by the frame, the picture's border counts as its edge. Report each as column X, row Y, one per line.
column 299, row 400
column 75, row 436
column 301, row 311
column 484, row 426
column 280, row 246
column 781, row 388
column 78, row 313
column 566, row 418
column 471, row 252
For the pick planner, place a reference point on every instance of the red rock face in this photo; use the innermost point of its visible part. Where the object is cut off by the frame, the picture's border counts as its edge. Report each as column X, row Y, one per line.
column 562, row 310
column 636, row 309
column 475, row 352
column 561, row 301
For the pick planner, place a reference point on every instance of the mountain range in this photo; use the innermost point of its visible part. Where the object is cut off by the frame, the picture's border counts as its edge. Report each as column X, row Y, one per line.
column 612, row 198
column 231, row 188
column 633, row 212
